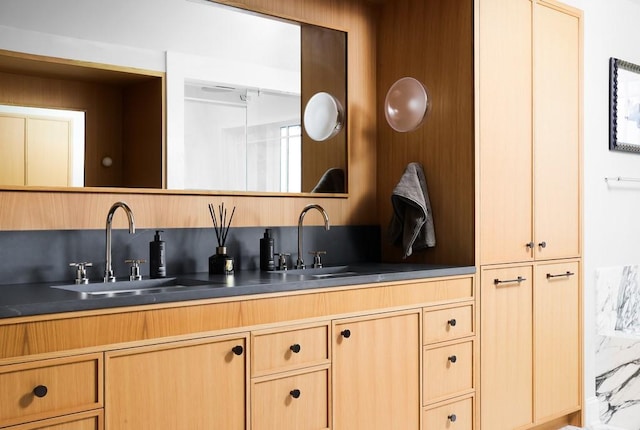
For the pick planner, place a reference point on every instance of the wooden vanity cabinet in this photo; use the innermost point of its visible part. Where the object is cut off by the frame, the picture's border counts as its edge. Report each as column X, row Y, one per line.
column 188, row 385
column 376, row 372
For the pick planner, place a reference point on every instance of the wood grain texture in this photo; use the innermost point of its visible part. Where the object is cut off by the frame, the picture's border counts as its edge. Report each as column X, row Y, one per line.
column 272, row 350
column 431, row 41
column 177, row 385
column 20, row 210
column 41, row 335
column 74, row 384
column 92, row 420
column 445, row 377
column 273, row 407
column 505, row 131
column 438, row 417
column 382, row 355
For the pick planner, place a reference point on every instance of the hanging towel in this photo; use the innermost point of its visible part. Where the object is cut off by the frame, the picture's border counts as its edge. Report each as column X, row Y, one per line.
column 411, row 225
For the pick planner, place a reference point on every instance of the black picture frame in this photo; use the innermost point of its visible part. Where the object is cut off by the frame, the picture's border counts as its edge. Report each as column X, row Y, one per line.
column 624, row 106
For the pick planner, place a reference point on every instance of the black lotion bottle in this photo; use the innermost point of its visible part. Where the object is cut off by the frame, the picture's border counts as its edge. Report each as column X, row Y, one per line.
column 157, row 257
column 267, row 259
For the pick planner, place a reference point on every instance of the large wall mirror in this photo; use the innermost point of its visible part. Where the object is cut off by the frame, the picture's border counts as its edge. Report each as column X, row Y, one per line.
column 236, row 85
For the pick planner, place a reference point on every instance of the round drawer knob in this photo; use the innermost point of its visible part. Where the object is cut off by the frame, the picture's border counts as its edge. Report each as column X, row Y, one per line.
column 453, row 358
column 40, row 391
column 295, row 393
column 452, row 322
column 346, row 333
column 295, row 348
column 452, row 418
column 237, row 350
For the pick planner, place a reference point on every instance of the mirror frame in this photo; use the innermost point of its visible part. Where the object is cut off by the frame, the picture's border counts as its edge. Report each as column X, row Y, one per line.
column 618, row 98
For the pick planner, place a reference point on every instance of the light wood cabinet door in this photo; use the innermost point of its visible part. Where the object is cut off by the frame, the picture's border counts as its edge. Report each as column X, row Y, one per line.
column 181, row 385
column 557, row 100
column 12, row 138
column 294, row 402
column 557, row 339
column 505, row 127
column 376, row 373
column 49, row 388
column 48, row 151
column 506, row 348
column 84, row 421
column 457, row 415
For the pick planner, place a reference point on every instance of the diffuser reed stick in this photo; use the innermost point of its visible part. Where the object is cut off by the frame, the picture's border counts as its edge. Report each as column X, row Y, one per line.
column 220, row 225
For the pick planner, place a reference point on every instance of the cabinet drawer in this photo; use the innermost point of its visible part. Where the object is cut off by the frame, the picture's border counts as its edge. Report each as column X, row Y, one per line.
column 455, row 416
column 284, row 350
column 447, row 324
column 448, row 371
column 83, row 421
column 43, row 389
column 293, row 402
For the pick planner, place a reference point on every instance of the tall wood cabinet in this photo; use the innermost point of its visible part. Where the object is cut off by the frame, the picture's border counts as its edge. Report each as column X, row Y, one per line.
column 529, row 103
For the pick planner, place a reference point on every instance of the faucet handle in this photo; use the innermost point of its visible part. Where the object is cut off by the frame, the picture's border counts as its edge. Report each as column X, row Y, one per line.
column 282, row 260
column 81, row 272
column 317, row 264
column 134, row 271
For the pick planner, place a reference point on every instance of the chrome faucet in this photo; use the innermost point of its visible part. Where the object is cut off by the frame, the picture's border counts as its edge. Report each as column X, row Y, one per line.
column 108, row 269
column 300, row 261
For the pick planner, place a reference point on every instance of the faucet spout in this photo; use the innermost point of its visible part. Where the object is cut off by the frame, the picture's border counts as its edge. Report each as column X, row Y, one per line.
column 300, row 261
column 108, row 269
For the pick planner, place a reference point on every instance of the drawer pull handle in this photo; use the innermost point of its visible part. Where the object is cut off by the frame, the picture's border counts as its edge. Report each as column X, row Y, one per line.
column 237, row 350
column 530, row 245
column 346, row 333
column 295, row 393
column 509, row 281
column 567, row 274
column 40, row 391
column 453, row 359
column 542, row 244
column 452, row 322
column 452, row 418
column 295, row 348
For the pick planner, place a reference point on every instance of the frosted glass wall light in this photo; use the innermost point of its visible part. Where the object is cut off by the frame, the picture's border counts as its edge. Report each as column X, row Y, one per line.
column 323, row 116
column 407, row 104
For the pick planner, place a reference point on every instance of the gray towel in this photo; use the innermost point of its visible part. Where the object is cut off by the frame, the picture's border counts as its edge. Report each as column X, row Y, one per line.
column 412, row 223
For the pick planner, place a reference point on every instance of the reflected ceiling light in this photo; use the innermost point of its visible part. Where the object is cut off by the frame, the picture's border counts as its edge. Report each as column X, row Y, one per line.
column 323, row 116
column 407, row 104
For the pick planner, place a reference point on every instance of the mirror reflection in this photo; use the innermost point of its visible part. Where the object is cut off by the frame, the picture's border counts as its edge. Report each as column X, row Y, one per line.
column 224, row 47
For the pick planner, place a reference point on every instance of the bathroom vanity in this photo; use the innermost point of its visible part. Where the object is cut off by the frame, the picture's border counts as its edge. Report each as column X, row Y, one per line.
column 396, row 348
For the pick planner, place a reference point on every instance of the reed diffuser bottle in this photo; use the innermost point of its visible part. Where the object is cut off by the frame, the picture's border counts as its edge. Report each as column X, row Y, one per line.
column 221, row 263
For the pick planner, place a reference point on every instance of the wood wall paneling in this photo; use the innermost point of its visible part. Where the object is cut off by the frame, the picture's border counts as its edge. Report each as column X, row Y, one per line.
column 431, row 41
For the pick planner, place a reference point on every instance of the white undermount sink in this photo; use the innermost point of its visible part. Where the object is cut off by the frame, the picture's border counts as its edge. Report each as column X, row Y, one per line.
column 321, row 272
column 131, row 287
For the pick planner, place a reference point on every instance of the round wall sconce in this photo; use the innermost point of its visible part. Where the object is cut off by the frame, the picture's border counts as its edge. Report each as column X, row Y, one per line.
column 407, row 104
column 323, row 116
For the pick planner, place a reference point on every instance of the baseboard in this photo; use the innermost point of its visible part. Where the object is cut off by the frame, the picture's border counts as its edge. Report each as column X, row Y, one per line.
column 592, row 413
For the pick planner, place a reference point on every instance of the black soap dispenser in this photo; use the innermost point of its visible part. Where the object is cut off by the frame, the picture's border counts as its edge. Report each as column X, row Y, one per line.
column 157, row 257
column 267, row 259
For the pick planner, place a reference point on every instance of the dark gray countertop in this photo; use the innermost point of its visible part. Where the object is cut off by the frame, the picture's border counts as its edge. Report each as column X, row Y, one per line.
column 38, row 299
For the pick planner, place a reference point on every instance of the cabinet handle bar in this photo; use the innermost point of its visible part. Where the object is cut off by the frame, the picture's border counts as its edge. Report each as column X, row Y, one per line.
column 509, row 281
column 567, row 274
